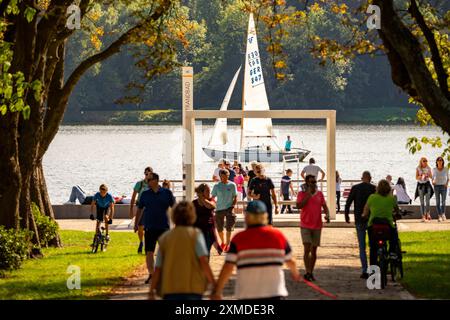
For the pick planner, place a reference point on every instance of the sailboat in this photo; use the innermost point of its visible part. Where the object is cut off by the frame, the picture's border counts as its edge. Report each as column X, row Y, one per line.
column 254, row 97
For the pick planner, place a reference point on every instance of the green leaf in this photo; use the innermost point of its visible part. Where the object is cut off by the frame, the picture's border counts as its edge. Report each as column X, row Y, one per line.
column 3, row 109
column 29, row 14
column 26, row 112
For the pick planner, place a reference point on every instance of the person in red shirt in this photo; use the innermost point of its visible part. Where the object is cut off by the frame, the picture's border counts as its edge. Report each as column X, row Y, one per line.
column 311, row 202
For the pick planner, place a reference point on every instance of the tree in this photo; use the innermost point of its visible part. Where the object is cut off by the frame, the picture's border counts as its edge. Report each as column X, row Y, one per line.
column 413, row 34
column 36, row 35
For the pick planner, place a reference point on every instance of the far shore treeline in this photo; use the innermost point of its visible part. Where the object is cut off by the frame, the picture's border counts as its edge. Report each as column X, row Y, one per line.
column 361, row 86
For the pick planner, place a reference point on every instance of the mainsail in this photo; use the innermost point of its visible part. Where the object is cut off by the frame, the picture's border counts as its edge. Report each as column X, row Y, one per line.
column 220, row 136
column 254, row 95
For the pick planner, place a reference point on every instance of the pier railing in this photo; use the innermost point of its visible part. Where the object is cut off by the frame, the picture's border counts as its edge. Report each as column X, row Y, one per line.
column 177, row 188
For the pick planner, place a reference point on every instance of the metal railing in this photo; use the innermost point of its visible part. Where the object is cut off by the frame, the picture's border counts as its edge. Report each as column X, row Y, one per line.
column 177, row 188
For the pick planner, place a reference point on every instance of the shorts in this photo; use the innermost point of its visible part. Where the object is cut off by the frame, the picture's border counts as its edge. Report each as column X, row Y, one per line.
column 230, row 217
column 101, row 212
column 151, row 236
column 311, row 236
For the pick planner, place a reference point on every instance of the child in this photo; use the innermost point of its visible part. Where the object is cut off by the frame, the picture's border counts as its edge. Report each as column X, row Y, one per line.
column 286, row 189
column 184, row 246
column 259, row 253
column 103, row 201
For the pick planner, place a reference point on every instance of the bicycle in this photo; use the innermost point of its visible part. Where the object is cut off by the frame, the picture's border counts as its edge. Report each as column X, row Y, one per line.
column 386, row 261
column 100, row 238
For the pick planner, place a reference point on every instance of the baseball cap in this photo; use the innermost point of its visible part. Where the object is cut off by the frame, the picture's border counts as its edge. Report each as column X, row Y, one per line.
column 256, row 206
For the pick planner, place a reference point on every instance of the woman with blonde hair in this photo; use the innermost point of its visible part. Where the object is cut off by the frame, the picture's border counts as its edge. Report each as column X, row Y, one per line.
column 424, row 189
column 183, row 246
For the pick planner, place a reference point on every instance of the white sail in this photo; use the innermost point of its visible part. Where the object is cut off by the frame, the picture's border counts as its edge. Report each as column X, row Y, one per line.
column 255, row 97
column 220, row 136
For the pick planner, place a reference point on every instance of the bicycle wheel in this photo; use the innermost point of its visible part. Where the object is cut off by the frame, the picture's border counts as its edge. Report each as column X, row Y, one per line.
column 95, row 244
column 382, row 263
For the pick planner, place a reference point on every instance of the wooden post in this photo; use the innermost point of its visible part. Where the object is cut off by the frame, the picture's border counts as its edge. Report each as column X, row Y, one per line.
column 331, row 163
column 188, row 157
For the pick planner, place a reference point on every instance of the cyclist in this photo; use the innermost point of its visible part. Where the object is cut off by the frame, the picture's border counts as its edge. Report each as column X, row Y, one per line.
column 379, row 209
column 104, row 202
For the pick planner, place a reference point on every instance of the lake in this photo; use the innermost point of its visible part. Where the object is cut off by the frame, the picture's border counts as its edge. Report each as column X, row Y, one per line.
column 117, row 155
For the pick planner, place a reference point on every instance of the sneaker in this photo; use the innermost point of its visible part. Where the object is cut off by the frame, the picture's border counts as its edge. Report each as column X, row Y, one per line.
column 107, row 238
column 424, row 219
column 141, row 245
column 364, row 275
column 428, row 217
column 307, row 277
column 444, row 217
column 312, row 277
column 69, row 203
column 148, row 279
column 393, row 256
column 440, row 219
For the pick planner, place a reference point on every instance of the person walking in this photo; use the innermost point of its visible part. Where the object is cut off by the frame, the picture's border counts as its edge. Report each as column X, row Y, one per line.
column 286, row 190
column 358, row 196
column 220, row 166
column 204, row 208
column 440, row 182
column 228, row 167
column 338, row 191
column 313, row 170
column 138, row 189
column 259, row 253
column 225, row 192
column 424, row 189
column 262, row 188
column 154, row 204
column 183, row 246
column 311, row 202
column 401, row 193
column 251, row 173
column 239, row 181
column 379, row 209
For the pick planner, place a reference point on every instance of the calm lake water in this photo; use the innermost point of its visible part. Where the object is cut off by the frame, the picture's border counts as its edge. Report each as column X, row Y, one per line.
column 117, row 155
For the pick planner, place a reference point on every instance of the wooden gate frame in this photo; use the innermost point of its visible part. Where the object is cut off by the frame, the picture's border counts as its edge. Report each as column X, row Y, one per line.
column 190, row 115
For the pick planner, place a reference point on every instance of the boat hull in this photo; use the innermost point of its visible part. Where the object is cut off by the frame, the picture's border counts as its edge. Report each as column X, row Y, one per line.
column 258, row 155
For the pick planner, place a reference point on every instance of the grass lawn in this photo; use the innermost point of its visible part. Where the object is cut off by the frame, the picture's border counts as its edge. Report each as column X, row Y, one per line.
column 46, row 278
column 427, row 263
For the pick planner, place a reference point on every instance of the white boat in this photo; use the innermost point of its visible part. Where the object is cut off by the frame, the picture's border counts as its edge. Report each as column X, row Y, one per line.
column 254, row 98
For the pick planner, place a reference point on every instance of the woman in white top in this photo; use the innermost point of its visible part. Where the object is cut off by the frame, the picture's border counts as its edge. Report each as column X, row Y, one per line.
column 424, row 188
column 400, row 192
column 440, row 182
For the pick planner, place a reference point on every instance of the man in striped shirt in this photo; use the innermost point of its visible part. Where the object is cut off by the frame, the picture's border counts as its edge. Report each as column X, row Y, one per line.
column 259, row 253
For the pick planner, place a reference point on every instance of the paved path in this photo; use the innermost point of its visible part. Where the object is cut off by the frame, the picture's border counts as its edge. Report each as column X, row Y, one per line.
column 337, row 269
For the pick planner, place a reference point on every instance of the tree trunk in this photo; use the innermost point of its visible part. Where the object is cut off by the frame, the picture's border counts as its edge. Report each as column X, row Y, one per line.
column 9, row 171
column 39, row 195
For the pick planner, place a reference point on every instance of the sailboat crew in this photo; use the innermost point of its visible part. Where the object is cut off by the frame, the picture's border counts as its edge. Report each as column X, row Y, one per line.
column 287, row 145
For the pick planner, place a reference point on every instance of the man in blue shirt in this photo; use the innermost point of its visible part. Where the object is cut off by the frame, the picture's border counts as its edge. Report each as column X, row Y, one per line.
column 102, row 201
column 155, row 203
column 287, row 145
